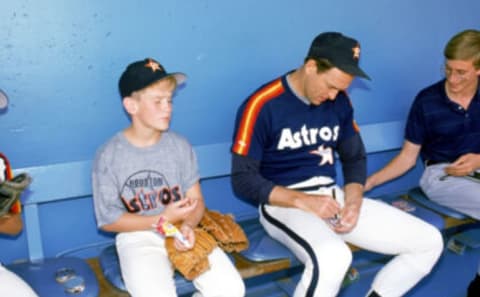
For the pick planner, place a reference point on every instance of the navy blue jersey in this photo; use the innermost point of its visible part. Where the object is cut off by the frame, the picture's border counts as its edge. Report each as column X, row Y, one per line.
column 443, row 128
column 292, row 139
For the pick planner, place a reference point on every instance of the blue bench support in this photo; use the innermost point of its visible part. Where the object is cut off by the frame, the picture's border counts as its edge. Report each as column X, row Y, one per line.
column 39, row 271
column 265, row 255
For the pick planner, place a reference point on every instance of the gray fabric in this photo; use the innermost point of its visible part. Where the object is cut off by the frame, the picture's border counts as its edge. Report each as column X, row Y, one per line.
column 459, row 193
column 141, row 180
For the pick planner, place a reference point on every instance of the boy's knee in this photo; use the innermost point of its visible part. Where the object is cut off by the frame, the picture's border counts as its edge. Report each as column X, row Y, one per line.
column 231, row 287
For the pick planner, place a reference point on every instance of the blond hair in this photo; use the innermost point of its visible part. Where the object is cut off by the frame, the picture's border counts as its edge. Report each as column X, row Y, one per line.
column 464, row 46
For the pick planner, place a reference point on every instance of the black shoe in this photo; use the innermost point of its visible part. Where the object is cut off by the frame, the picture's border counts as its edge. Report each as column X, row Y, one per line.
column 374, row 294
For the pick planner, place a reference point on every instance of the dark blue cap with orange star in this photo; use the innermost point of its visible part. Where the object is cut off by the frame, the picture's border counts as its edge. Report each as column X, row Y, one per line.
column 342, row 51
column 141, row 74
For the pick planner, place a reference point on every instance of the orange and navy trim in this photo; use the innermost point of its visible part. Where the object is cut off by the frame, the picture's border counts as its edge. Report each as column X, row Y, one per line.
column 354, row 123
column 250, row 115
column 8, row 174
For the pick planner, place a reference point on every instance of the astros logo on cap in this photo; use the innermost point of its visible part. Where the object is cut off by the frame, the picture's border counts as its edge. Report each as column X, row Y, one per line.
column 153, row 65
column 356, row 52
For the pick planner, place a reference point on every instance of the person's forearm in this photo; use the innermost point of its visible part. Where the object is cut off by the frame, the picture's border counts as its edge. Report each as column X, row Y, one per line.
column 397, row 167
column 404, row 161
column 129, row 222
column 195, row 195
column 281, row 196
column 353, row 195
column 195, row 218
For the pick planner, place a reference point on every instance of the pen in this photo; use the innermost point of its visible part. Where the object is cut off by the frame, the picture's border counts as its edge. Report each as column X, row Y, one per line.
column 334, row 196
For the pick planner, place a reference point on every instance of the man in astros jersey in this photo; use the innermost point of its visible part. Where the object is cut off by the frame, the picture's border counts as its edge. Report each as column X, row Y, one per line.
column 283, row 159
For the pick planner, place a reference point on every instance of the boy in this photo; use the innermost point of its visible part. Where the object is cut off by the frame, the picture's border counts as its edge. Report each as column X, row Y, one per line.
column 146, row 175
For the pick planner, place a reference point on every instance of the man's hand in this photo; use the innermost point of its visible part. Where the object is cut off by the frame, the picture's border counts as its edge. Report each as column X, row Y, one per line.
column 353, row 197
column 464, row 165
column 323, row 206
column 349, row 217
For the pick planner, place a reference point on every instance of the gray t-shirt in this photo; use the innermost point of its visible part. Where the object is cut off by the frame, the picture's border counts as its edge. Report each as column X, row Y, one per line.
column 126, row 178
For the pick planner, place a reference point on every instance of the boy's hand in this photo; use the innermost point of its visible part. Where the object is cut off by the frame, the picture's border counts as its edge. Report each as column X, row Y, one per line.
column 464, row 165
column 188, row 235
column 179, row 210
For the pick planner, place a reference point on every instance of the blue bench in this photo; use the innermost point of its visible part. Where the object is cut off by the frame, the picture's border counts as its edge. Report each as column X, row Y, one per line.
column 50, row 190
column 53, row 276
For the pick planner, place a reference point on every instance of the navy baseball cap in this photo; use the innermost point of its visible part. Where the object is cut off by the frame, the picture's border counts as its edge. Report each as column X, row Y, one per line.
column 141, row 74
column 342, row 51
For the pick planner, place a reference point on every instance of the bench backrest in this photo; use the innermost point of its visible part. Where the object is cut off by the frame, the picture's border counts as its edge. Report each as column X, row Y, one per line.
column 49, row 182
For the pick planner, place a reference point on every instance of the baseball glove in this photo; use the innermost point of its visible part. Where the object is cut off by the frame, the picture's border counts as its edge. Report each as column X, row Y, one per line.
column 193, row 262
column 228, row 234
column 10, row 191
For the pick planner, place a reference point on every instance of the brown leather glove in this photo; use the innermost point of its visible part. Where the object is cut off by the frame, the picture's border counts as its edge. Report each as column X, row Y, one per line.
column 228, row 234
column 10, row 191
column 193, row 262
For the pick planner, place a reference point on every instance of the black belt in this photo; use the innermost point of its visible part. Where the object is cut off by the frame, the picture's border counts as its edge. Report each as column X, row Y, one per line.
column 313, row 188
column 433, row 162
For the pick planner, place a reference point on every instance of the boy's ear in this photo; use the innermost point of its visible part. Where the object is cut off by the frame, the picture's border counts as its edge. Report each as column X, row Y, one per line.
column 130, row 105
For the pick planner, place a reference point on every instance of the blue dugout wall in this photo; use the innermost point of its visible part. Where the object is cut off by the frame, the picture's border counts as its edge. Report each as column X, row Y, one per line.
column 60, row 62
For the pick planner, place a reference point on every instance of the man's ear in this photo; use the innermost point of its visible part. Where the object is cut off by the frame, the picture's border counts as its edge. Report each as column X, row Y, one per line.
column 130, row 105
column 311, row 66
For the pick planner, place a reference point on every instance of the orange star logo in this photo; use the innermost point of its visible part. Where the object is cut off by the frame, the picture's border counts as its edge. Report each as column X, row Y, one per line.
column 153, row 65
column 356, row 52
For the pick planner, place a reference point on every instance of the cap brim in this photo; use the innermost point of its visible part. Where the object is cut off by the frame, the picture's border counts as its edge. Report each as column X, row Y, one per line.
column 355, row 71
column 179, row 77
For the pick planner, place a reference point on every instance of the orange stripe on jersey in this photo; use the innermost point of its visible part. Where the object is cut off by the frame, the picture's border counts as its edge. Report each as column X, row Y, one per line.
column 250, row 114
column 356, row 127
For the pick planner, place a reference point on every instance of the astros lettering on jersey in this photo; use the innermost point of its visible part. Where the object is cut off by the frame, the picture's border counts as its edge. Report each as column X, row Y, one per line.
column 299, row 132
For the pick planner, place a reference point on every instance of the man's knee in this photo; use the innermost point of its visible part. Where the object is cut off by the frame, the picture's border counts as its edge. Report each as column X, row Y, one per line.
column 433, row 241
column 334, row 259
column 428, row 249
